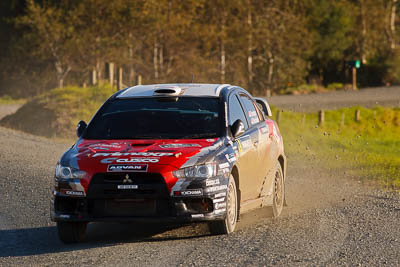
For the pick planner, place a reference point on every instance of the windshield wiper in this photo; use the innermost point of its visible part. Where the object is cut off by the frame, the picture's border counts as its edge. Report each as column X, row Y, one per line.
column 203, row 135
column 145, row 137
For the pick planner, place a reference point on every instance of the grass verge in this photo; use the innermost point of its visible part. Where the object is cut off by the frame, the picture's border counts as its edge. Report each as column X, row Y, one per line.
column 56, row 113
column 368, row 149
column 8, row 100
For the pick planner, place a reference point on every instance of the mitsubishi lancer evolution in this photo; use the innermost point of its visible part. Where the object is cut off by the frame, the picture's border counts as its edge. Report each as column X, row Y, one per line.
column 171, row 153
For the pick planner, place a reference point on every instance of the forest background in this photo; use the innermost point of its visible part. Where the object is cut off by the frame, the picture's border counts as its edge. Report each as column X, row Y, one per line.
column 260, row 45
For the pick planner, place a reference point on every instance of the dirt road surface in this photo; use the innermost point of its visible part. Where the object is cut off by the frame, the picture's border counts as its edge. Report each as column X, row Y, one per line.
column 370, row 97
column 6, row 109
column 330, row 220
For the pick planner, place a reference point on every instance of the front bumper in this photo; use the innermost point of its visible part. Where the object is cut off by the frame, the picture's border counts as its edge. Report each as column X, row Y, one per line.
column 178, row 211
column 194, row 201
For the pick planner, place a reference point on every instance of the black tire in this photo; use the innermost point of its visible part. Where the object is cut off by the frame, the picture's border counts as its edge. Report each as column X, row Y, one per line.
column 71, row 232
column 228, row 225
column 279, row 192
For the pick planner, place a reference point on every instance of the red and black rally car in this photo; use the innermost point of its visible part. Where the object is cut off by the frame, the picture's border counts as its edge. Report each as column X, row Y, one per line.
column 171, row 153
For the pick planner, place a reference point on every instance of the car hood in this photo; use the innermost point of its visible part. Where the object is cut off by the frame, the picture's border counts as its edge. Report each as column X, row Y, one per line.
column 156, row 156
column 95, row 156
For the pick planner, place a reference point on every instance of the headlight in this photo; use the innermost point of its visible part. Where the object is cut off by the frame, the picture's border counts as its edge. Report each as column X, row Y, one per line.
column 198, row 171
column 68, row 172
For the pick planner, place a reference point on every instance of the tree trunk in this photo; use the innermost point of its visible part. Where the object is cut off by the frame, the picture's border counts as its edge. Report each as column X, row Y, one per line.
column 161, row 59
column 363, row 45
column 249, row 47
column 110, row 72
column 93, row 77
column 99, row 70
column 61, row 83
column 222, row 45
column 393, row 24
column 155, row 59
column 62, row 73
column 222, row 60
column 120, row 82
column 132, row 73
column 270, row 69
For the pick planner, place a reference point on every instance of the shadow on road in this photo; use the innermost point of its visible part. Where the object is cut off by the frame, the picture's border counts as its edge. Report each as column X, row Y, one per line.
column 44, row 240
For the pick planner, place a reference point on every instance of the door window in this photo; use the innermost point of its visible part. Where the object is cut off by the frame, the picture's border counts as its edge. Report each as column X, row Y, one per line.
column 236, row 111
column 250, row 109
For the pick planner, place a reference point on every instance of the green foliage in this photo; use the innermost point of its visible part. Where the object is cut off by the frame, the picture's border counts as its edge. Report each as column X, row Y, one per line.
column 331, row 22
column 56, row 112
column 393, row 63
column 366, row 150
column 335, row 86
column 7, row 100
column 256, row 44
column 311, row 88
column 72, row 104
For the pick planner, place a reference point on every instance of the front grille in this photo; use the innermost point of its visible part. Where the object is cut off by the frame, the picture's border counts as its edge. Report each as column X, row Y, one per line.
column 136, row 177
column 151, row 198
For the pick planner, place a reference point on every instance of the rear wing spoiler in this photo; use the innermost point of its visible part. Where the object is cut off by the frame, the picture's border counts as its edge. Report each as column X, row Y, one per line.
column 264, row 106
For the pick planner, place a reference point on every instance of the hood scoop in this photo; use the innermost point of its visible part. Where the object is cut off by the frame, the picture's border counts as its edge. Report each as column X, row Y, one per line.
column 168, row 91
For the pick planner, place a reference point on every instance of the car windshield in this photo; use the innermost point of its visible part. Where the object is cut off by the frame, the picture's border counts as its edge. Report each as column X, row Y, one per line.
column 157, row 118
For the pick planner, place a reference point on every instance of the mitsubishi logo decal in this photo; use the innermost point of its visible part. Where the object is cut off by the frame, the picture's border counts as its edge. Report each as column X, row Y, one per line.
column 127, row 179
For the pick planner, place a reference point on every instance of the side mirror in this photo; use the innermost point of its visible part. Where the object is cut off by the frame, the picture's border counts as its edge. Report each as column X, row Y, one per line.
column 265, row 106
column 237, row 128
column 80, row 128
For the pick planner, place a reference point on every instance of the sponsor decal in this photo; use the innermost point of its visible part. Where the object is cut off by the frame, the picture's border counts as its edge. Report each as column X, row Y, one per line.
column 216, row 188
column 193, row 192
column 218, row 200
column 254, row 120
column 100, row 148
column 127, row 168
column 275, row 133
column 222, row 194
column 219, row 211
column 246, row 144
column 130, row 160
column 210, row 140
column 143, row 154
column 252, row 113
column 106, row 146
column 230, row 157
column 127, row 179
column 179, row 145
column 264, row 130
column 127, row 186
column 224, row 165
column 239, row 146
column 220, row 205
column 223, row 171
column 197, row 215
column 73, row 193
column 212, row 182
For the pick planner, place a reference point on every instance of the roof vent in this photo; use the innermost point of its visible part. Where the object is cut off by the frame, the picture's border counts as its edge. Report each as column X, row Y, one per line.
column 168, row 91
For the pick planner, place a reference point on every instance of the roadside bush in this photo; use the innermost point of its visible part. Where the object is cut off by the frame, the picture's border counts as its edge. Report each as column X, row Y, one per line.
column 335, row 86
column 57, row 112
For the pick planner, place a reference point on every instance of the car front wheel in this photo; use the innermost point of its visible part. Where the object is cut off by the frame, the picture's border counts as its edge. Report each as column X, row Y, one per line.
column 228, row 225
column 71, row 232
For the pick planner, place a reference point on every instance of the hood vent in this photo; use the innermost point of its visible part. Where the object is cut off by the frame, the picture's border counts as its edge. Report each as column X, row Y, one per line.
column 142, row 145
column 168, row 91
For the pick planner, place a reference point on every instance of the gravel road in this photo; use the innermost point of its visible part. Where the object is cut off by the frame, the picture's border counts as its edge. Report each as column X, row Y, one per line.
column 6, row 109
column 330, row 220
column 370, row 97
